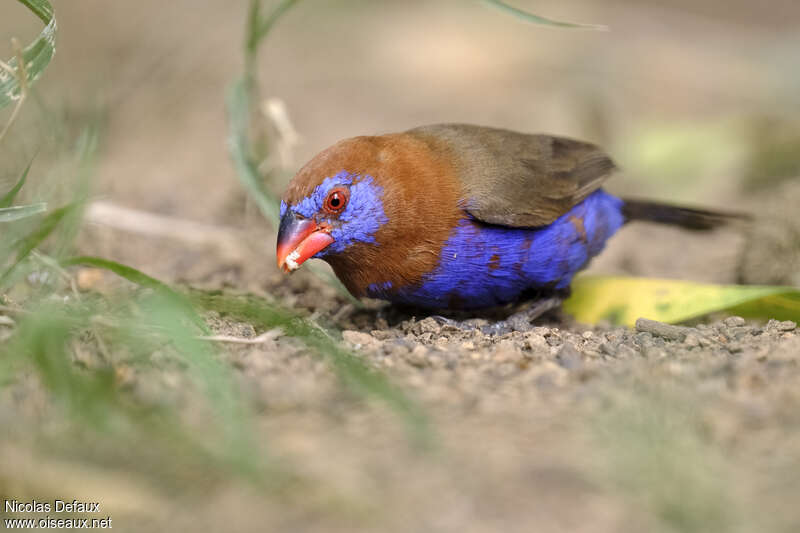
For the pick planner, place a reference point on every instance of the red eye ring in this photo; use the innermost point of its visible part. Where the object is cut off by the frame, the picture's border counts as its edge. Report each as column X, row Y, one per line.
column 336, row 200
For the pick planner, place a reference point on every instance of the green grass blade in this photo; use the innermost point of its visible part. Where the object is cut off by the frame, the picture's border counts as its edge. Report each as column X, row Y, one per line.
column 174, row 316
column 350, row 369
column 26, row 244
column 536, row 19
column 8, row 214
column 8, row 199
column 238, row 145
column 258, row 28
column 92, row 396
column 621, row 300
column 86, row 150
column 43, row 338
column 265, row 25
column 170, row 311
column 37, row 55
column 123, row 271
column 41, row 8
column 141, row 279
column 238, row 101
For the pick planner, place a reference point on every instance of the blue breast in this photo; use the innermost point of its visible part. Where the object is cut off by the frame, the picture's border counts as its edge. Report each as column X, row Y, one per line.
column 483, row 265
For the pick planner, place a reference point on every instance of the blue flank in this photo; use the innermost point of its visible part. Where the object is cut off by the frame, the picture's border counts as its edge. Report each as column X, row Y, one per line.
column 484, row 265
column 359, row 221
column 377, row 288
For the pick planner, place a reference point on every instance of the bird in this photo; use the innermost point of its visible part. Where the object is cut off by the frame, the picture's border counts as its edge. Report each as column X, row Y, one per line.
column 459, row 216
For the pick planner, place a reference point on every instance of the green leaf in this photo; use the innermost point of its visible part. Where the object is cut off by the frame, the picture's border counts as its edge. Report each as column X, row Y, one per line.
column 26, row 244
column 37, row 55
column 7, row 214
column 10, row 196
column 536, row 19
column 621, row 300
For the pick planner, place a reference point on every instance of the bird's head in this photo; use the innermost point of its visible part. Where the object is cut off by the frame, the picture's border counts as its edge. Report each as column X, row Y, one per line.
column 374, row 208
column 337, row 212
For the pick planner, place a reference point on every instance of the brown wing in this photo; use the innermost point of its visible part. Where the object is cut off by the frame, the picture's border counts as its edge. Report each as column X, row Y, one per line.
column 514, row 179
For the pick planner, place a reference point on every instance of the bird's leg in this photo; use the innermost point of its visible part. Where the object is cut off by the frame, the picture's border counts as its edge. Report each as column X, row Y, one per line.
column 464, row 325
column 518, row 321
column 522, row 320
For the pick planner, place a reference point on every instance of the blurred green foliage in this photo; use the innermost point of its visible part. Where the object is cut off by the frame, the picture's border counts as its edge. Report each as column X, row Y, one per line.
column 774, row 153
column 36, row 56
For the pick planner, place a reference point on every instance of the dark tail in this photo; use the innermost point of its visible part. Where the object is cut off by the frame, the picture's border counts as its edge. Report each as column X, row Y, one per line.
column 684, row 217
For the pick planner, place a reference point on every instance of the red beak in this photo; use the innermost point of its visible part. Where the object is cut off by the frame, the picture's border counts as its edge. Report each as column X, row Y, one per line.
column 299, row 239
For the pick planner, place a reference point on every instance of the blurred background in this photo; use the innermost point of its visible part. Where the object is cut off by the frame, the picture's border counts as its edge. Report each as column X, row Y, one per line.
column 697, row 102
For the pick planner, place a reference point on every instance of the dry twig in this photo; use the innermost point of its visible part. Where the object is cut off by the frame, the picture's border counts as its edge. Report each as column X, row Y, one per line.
column 264, row 337
column 227, row 240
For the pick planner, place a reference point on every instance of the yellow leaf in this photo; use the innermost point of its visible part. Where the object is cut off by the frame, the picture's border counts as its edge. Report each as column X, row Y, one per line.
column 621, row 300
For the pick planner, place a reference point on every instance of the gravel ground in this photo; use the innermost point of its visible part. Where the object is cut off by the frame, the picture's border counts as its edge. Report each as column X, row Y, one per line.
column 558, row 428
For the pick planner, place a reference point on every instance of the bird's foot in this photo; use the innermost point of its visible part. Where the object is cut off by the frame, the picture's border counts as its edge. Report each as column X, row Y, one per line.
column 464, row 325
column 523, row 320
column 519, row 321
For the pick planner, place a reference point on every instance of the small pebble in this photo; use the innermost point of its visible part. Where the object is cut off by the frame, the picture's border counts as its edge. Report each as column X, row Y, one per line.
column 429, row 325
column 735, row 348
column 569, row 357
column 382, row 334
column 668, row 331
column 396, row 349
column 734, row 321
column 553, row 339
column 535, row 341
column 691, row 340
column 418, row 356
column 787, row 325
column 624, row 351
column 654, row 352
column 89, row 278
column 359, row 339
column 608, row 348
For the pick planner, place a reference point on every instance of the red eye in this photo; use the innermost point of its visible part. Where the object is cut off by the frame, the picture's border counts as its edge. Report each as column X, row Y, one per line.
column 336, row 200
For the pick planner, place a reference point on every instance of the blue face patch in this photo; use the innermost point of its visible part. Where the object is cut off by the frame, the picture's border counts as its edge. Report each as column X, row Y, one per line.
column 361, row 219
column 483, row 265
